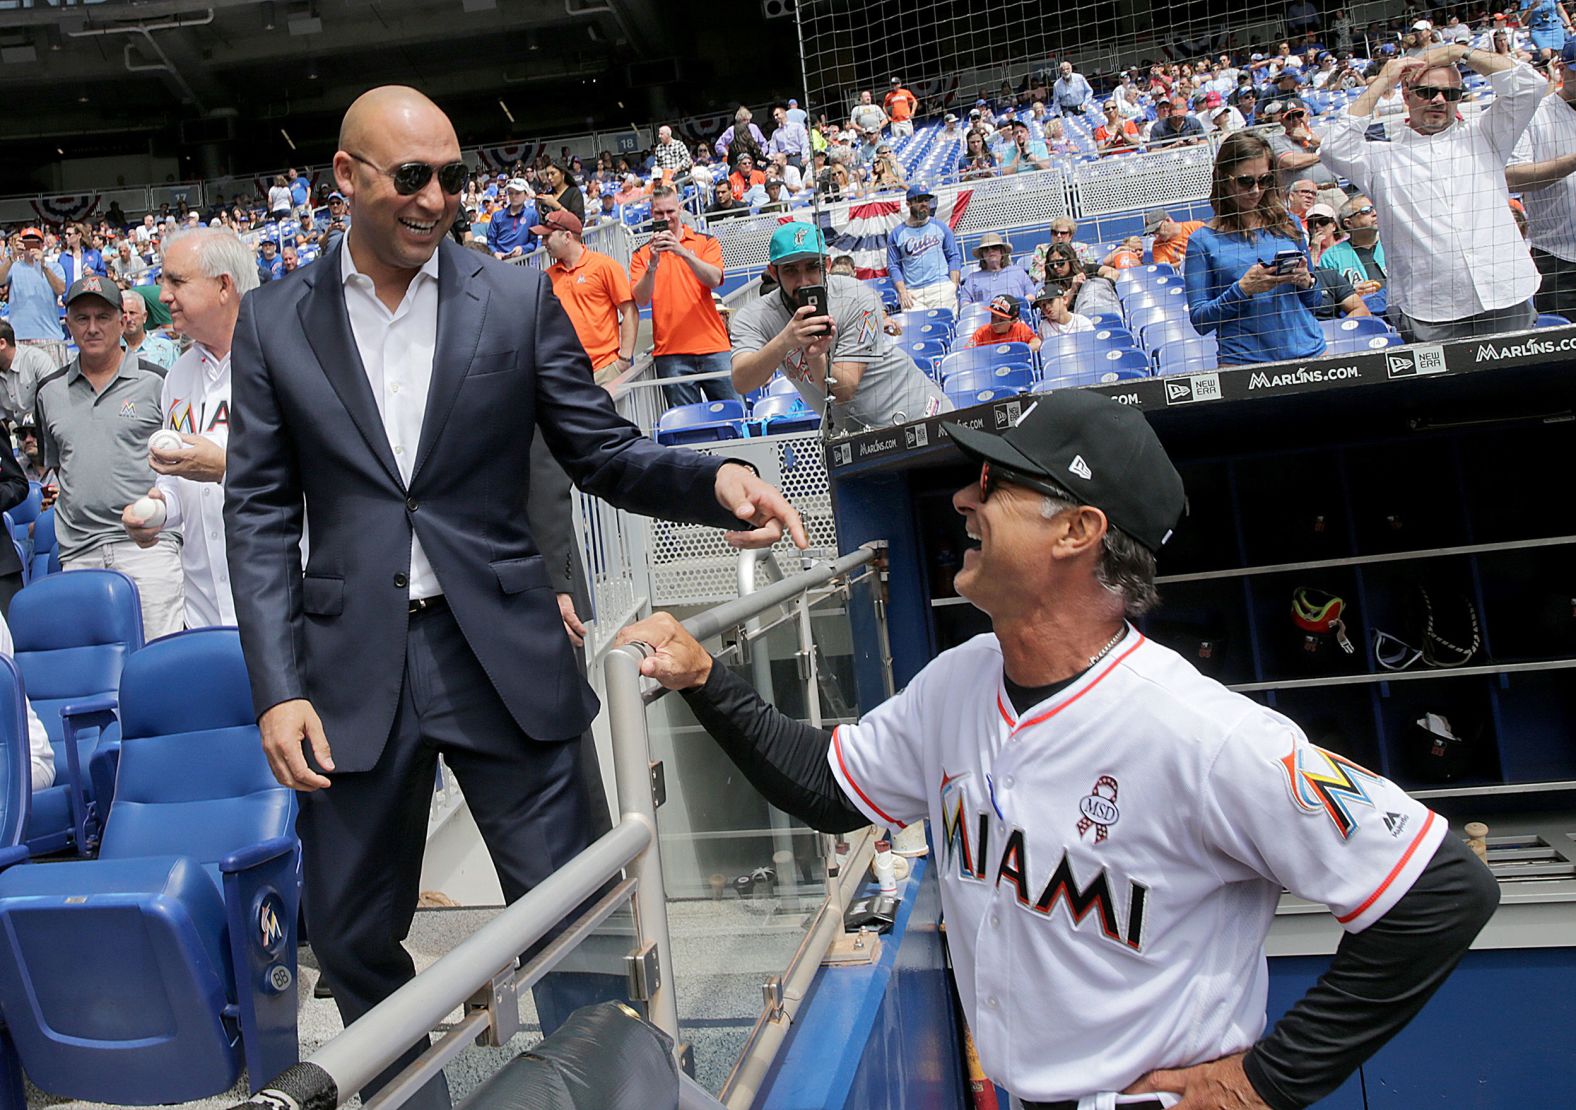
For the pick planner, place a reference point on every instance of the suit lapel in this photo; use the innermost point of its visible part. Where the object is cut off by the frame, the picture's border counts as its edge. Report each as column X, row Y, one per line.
column 326, row 324
column 462, row 310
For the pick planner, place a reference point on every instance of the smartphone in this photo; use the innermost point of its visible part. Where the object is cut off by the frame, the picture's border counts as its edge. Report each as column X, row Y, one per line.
column 813, row 295
column 1286, row 262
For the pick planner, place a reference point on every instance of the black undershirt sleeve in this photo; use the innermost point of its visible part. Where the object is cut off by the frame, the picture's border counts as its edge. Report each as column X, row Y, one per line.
column 1379, row 980
column 783, row 758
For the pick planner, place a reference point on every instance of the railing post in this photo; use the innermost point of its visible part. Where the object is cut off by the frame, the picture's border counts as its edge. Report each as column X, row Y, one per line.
column 632, row 769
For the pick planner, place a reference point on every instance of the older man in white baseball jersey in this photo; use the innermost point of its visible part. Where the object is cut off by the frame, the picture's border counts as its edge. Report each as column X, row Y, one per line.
column 1114, row 828
column 206, row 273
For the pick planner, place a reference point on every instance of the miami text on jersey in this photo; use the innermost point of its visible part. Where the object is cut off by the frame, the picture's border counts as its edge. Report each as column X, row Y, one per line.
column 183, row 418
column 971, row 855
column 1324, row 782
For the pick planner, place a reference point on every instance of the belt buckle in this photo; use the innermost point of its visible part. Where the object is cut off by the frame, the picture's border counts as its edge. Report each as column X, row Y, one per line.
column 422, row 604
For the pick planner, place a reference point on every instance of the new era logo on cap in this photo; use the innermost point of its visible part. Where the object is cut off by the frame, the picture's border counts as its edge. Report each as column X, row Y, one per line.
column 1080, row 468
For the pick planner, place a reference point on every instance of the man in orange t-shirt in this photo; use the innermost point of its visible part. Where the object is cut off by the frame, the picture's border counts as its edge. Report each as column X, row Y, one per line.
column 1006, row 325
column 675, row 273
column 594, row 291
column 1171, row 236
column 900, row 105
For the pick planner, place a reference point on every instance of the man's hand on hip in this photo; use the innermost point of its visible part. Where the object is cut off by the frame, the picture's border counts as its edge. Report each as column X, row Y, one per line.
column 200, row 460
column 1218, row 1085
column 741, row 492
column 676, row 658
column 286, row 728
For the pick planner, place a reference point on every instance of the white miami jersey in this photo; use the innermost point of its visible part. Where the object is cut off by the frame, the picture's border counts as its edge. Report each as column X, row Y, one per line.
column 1110, row 862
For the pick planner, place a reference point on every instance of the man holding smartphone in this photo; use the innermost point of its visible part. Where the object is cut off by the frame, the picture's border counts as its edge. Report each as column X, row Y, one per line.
column 814, row 327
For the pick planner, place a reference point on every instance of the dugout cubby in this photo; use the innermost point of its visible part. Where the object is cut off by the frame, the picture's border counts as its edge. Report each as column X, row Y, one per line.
column 1459, row 487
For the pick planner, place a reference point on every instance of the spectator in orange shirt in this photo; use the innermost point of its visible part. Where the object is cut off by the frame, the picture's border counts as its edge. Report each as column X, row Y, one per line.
column 1116, row 133
column 1171, row 236
column 675, row 273
column 595, row 292
column 900, row 105
column 746, row 177
column 1006, row 325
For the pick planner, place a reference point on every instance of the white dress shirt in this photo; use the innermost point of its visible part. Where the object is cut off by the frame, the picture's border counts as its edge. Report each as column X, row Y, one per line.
column 196, row 400
column 397, row 350
column 1551, row 210
column 1444, row 210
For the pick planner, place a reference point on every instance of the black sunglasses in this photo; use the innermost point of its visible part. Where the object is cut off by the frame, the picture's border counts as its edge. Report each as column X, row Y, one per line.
column 1247, row 180
column 994, row 474
column 1451, row 93
column 411, row 177
column 1365, row 210
column 1319, row 221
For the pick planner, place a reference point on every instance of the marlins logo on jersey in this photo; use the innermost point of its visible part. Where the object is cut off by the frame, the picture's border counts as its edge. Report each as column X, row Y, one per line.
column 1324, row 782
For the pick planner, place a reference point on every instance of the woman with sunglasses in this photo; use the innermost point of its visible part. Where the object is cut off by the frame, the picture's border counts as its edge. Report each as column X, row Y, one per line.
column 1260, row 309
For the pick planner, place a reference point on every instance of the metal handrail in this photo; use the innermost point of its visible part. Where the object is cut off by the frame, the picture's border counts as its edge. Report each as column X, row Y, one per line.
column 481, row 968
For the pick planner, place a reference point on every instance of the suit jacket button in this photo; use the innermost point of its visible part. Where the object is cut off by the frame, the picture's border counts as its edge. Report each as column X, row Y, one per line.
column 401, row 581
column 410, row 503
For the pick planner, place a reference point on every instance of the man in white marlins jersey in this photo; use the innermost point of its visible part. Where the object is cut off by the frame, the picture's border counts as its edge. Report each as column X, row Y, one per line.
column 1113, row 828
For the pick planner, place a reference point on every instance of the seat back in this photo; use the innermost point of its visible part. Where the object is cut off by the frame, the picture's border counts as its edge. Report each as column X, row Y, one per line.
column 1349, row 326
column 73, row 635
column 16, row 765
column 997, row 354
column 1183, row 356
column 701, row 422
column 193, row 780
column 1007, row 379
column 27, row 511
column 46, row 549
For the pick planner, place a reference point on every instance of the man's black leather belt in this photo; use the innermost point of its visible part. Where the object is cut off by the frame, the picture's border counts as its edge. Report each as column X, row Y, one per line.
column 1072, row 1104
column 426, row 604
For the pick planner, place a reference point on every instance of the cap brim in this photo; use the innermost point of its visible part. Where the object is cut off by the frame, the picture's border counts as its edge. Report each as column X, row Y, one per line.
column 985, row 446
column 543, row 229
column 796, row 256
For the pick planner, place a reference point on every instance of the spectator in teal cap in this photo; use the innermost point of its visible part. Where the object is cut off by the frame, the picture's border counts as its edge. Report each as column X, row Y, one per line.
column 825, row 333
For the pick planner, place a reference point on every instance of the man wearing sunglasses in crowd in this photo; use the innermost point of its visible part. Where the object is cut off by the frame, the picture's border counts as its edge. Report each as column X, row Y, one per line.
column 1359, row 258
column 1073, row 769
column 391, row 393
column 1458, row 266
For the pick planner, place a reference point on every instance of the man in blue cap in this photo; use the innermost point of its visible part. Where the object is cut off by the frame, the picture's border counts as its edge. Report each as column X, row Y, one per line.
column 873, row 381
column 923, row 258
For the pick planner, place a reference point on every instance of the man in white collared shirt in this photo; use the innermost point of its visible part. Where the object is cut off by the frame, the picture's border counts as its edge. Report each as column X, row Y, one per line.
column 1540, row 170
column 206, row 273
column 1458, row 266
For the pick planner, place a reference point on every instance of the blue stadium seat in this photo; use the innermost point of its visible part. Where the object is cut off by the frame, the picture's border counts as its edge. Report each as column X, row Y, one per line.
column 1355, row 325
column 915, row 317
column 1107, row 320
column 27, row 511
column 45, row 549
column 926, row 353
column 972, row 317
column 1551, row 320
column 997, row 354
column 780, row 385
column 1156, row 335
column 782, row 414
column 1060, row 348
column 1358, row 344
column 1143, row 275
column 1099, row 368
column 74, row 633
column 702, row 422
column 1147, row 288
column 1184, row 356
column 1140, row 318
column 16, row 770
column 1012, row 379
column 939, row 332
column 155, row 972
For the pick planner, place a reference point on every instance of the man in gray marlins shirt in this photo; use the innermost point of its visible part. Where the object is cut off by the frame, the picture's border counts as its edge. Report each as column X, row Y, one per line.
column 875, row 383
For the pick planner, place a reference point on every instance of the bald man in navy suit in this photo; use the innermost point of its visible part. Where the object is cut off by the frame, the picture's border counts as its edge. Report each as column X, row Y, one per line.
column 387, row 398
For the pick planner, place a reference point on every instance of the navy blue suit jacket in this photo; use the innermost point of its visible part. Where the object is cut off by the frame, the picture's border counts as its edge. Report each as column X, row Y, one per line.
column 305, row 436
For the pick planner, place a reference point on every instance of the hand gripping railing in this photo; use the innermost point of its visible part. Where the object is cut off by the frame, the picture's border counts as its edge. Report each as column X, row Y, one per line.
column 480, row 971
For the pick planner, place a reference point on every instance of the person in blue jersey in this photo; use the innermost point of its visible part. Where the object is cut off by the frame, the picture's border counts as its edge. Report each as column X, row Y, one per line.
column 1548, row 24
column 1259, row 312
column 923, row 258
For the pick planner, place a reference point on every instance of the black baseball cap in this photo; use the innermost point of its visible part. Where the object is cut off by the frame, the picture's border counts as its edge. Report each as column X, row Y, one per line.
column 1102, row 452
column 94, row 286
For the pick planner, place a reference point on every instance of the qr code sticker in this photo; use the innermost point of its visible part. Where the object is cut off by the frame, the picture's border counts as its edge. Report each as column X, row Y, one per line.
column 845, row 454
column 918, row 436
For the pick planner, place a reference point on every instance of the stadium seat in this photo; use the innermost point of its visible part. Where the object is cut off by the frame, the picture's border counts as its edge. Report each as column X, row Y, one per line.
column 1551, row 320
column 702, row 422
column 963, row 398
column 45, row 549
column 925, row 353
column 1355, row 325
column 16, row 767
column 782, row 414
column 1060, row 348
column 941, row 332
column 27, row 511
column 972, row 317
column 1012, row 379
column 1156, row 335
column 1150, row 288
column 153, row 973
column 1141, row 318
column 73, row 634
column 1141, row 275
column 1184, row 356
column 1099, row 368
column 916, row 317
column 1107, row 320
column 780, row 385
column 998, row 354
column 1358, row 344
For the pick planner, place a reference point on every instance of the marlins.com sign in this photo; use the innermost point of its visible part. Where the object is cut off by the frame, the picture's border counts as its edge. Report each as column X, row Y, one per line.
column 1302, row 376
column 1530, row 348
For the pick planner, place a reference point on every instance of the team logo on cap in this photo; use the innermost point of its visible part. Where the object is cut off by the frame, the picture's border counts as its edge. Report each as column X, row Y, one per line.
column 1099, row 809
column 91, row 285
column 800, row 236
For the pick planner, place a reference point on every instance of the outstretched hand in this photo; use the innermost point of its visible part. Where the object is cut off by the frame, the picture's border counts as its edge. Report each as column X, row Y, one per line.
column 1217, row 1085
column 741, row 492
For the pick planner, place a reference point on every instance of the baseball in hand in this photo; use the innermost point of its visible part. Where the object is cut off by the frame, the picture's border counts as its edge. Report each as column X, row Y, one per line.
column 166, row 441
column 149, row 511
